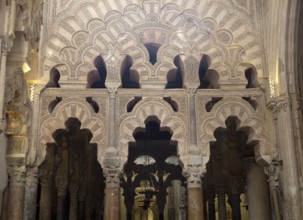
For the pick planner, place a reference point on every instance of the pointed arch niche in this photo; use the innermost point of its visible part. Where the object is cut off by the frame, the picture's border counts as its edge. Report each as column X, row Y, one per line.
column 247, row 119
column 168, row 118
column 71, row 108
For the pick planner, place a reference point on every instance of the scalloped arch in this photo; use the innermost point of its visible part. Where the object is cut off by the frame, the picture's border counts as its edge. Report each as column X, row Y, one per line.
column 235, row 106
column 164, row 112
column 71, row 108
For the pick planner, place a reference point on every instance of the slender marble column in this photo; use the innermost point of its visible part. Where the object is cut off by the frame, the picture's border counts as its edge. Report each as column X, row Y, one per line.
column 61, row 185
column 211, row 206
column 291, row 185
column 193, row 174
column 73, row 205
column 272, row 172
column 222, row 205
column 257, row 192
column 112, row 117
column 31, row 188
column 4, row 52
column 16, row 192
column 234, row 197
column 112, row 194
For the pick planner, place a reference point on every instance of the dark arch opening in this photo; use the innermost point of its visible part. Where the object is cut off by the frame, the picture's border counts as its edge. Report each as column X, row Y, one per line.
column 209, row 79
column 152, row 49
column 54, row 77
column 252, row 79
column 71, row 168
column 175, row 76
column 96, row 78
column 129, row 77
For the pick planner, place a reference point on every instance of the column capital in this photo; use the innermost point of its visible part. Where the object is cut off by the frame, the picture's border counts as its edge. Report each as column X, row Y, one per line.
column 192, row 91
column 16, row 175
column 112, row 175
column 272, row 171
column 112, row 92
column 193, row 173
column 5, row 49
column 283, row 103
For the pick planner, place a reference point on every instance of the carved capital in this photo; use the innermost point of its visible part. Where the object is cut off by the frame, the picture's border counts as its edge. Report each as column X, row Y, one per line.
column 5, row 49
column 272, row 171
column 283, row 104
column 194, row 171
column 16, row 175
column 112, row 176
column 112, row 92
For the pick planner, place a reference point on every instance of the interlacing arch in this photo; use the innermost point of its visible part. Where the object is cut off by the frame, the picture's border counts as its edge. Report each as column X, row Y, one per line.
column 247, row 116
column 227, row 39
column 71, row 108
column 165, row 114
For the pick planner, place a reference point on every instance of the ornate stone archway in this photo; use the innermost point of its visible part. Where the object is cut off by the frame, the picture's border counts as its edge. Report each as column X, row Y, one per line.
column 247, row 116
column 71, row 108
column 167, row 117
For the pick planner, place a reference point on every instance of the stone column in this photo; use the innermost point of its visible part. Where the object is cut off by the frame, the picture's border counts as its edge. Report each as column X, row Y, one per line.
column 61, row 185
column 16, row 192
column 193, row 173
column 211, row 206
column 31, row 187
column 112, row 194
column 112, row 117
column 257, row 191
column 73, row 204
column 221, row 204
column 290, row 178
column 4, row 52
column 45, row 207
column 192, row 115
column 272, row 172
column 234, row 198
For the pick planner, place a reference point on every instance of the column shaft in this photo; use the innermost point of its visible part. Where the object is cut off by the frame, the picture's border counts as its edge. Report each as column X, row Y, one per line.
column 235, row 205
column 31, row 188
column 112, row 203
column 16, row 192
column 211, row 206
column 222, row 206
column 195, row 203
column 257, row 193
column 4, row 52
column 45, row 202
column 291, row 193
